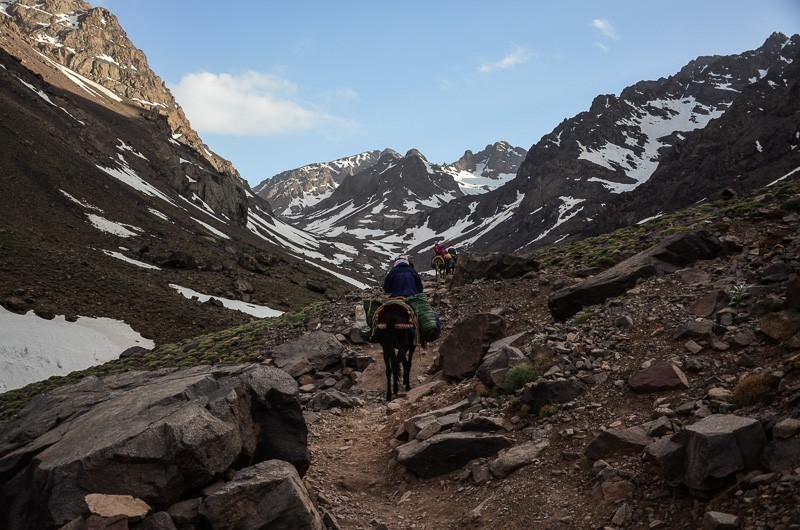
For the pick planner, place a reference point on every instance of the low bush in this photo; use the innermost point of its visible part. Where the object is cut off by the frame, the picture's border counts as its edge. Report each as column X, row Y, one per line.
column 519, row 376
column 752, row 389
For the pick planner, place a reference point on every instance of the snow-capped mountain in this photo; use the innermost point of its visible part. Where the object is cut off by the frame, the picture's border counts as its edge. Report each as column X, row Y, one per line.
column 569, row 179
column 572, row 173
column 291, row 192
column 370, row 209
column 294, row 192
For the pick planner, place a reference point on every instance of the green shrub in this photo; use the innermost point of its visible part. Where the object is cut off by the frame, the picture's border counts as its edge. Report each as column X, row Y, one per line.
column 519, row 376
column 583, row 317
column 548, row 410
column 752, row 389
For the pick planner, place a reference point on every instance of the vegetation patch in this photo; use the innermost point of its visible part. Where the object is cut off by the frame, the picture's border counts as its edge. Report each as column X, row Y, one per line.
column 752, row 389
column 519, row 376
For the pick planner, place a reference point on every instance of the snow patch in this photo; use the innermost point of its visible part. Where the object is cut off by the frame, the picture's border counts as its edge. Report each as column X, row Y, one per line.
column 259, row 311
column 34, row 349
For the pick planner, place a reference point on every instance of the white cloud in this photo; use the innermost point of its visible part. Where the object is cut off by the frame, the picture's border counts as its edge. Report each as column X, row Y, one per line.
column 252, row 103
column 605, row 28
column 518, row 56
column 600, row 46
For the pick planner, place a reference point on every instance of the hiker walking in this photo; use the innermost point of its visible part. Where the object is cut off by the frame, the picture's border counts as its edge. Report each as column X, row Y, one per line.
column 402, row 279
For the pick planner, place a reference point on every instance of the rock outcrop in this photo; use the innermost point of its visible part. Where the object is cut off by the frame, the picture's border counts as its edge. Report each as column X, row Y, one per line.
column 670, row 255
column 156, row 436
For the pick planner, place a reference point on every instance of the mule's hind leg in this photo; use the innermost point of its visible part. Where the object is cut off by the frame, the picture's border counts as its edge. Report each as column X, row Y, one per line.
column 388, row 356
column 407, row 366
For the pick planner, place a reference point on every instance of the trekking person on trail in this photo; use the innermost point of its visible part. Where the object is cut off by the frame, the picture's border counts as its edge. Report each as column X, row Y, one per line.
column 402, row 280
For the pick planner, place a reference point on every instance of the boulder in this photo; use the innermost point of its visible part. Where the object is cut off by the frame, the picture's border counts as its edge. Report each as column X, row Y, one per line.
column 319, row 348
column 776, row 272
column 545, row 392
column 496, row 364
column 660, row 376
column 154, row 435
column 706, row 455
column 447, row 452
column 695, row 329
column 156, row 521
column 496, row 266
column 331, row 398
column 782, row 454
column 720, row 521
column 618, row 441
column 415, row 424
column 267, row 495
column 516, row 457
column 709, row 303
column 780, row 326
column 670, row 255
column 463, row 350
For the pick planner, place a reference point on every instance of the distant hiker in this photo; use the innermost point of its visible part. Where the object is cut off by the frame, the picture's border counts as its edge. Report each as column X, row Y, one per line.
column 402, row 280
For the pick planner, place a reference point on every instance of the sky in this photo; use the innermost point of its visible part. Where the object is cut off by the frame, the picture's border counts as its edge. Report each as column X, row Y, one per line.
column 273, row 86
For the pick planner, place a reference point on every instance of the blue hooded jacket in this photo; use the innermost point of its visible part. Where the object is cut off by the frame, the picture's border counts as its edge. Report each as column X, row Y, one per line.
column 402, row 280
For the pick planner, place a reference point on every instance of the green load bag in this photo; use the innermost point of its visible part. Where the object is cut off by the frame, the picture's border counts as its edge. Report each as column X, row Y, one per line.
column 426, row 316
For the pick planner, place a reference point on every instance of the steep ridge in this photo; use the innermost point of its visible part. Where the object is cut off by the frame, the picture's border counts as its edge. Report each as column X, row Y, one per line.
column 612, row 148
column 756, row 139
column 105, row 214
column 291, row 192
column 91, row 42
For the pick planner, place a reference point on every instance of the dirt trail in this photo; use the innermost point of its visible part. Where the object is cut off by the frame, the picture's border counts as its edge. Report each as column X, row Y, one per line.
column 354, row 472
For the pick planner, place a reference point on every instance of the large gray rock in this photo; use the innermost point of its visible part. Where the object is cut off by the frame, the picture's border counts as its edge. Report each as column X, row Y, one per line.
column 319, row 348
column 613, row 442
column 496, row 364
column 516, row 457
column 471, row 267
column 447, row 452
column 666, row 257
column 463, row 350
column 267, row 495
column 153, row 435
column 660, row 376
column 545, row 392
column 706, row 455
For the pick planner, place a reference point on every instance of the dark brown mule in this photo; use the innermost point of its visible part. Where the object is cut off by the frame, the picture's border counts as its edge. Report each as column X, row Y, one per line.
column 397, row 333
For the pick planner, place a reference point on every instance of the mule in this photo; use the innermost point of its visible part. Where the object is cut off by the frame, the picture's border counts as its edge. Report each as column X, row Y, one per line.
column 442, row 267
column 397, row 334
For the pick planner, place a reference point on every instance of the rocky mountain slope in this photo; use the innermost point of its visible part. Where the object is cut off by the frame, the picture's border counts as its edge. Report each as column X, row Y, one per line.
column 291, row 192
column 615, row 147
column 671, row 404
column 105, row 214
column 90, row 41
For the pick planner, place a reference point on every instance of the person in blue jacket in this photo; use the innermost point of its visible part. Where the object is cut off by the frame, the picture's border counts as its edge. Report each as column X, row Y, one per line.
column 402, row 280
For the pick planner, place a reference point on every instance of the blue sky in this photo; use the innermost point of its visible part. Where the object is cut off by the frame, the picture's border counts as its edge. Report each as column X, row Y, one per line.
column 274, row 85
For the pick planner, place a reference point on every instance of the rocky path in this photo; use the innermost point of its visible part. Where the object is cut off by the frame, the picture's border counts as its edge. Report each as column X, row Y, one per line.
column 354, row 471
